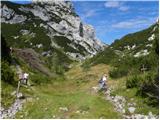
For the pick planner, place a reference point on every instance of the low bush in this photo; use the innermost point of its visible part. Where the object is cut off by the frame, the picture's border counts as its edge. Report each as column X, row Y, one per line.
column 118, row 72
column 7, row 75
column 60, row 70
column 147, row 85
column 133, row 81
column 39, row 79
column 150, row 87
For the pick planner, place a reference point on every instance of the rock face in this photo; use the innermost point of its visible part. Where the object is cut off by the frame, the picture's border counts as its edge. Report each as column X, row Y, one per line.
column 59, row 21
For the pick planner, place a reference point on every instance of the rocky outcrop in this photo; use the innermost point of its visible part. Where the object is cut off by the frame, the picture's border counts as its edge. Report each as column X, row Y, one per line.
column 58, row 18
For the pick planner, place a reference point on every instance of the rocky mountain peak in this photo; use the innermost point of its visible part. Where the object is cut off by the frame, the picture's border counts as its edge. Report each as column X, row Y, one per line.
column 60, row 21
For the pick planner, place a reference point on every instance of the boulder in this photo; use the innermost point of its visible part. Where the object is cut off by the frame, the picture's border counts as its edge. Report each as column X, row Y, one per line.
column 131, row 109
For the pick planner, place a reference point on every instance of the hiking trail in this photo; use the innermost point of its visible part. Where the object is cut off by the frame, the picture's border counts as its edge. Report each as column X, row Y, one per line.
column 120, row 104
column 16, row 106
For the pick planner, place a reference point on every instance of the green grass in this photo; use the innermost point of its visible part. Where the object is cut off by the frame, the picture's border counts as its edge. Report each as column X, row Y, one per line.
column 73, row 91
column 73, row 101
column 141, row 103
column 6, row 98
column 64, row 92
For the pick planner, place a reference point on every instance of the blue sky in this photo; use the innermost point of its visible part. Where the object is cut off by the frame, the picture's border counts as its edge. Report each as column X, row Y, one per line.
column 114, row 19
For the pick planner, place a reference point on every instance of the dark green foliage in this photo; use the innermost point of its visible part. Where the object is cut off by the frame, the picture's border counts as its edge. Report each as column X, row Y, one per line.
column 137, row 38
column 86, row 67
column 147, row 85
column 6, row 98
column 65, row 44
column 106, row 57
column 117, row 73
column 156, row 45
column 7, row 75
column 39, row 79
column 60, row 70
column 133, row 81
column 10, row 30
column 150, row 88
column 81, row 29
column 59, row 59
column 5, row 50
column 150, row 85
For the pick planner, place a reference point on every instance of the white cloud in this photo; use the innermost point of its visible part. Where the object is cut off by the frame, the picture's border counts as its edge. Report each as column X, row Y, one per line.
column 133, row 23
column 123, row 8
column 112, row 4
column 90, row 13
column 116, row 4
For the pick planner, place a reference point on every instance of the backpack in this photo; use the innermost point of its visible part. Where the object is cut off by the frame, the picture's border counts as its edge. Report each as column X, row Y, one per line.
column 100, row 81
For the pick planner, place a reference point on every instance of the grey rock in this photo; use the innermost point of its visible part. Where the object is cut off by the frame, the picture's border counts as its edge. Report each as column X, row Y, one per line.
column 19, row 95
column 131, row 109
column 69, row 25
column 63, row 109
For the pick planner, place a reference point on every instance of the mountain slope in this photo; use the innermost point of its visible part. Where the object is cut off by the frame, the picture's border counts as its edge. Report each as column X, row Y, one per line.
column 135, row 59
column 57, row 20
column 52, row 29
column 135, row 45
column 139, row 43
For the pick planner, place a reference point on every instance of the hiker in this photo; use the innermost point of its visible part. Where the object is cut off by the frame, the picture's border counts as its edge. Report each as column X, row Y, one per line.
column 102, row 82
column 20, row 76
column 25, row 78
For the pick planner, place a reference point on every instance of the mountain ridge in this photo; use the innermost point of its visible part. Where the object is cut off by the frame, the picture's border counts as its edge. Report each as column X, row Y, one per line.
column 53, row 30
column 57, row 23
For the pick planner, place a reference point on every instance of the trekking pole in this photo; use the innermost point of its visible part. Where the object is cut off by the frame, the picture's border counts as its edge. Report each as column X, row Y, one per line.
column 18, row 88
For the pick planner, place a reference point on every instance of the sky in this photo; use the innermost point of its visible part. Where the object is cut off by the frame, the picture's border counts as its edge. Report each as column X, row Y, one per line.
column 114, row 19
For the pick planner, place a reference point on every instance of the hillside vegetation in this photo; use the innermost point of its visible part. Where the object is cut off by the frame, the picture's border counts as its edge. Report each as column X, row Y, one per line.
column 140, row 72
column 55, row 48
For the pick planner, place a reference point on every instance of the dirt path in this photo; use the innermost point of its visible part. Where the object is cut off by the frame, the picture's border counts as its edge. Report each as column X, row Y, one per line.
column 120, row 102
column 16, row 106
column 11, row 111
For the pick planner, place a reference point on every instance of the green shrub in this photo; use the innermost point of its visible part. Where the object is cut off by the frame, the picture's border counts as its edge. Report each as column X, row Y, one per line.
column 118, row 72
column 150, row 87
column 133, row 81
column 105, row 57
column 147, row 85
column 86, row 67
column 7, row 75
column 60, row 70
column 6, row 98
column 39, row 79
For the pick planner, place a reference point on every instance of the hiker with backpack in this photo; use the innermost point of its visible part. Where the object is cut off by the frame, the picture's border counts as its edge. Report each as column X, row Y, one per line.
column 102, row 82
column 25, row 78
